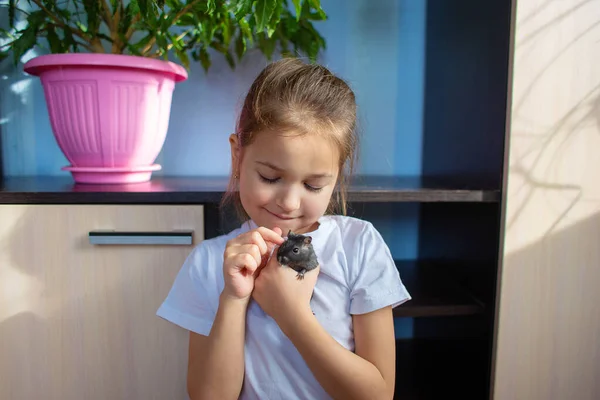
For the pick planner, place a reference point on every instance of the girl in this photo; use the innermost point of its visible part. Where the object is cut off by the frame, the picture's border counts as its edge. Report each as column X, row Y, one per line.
column 255, row 331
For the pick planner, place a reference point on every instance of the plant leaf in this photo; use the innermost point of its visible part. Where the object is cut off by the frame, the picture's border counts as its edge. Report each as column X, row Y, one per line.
column 28, row 37
column 142, row 7
column 316, row 4
column 240, row 46
column 290, row 26
column 266, row 44
column 157, row 27
column 174, row 4
column 204, row 58
column 66, row 14
column 11, row 13
column 132, row 9
column 25, row 42
column 92, row 10
column 81, row 26
column 242, row 8
column 225, row 30
column 308, row 40
column 69, row 40
column 298, row 8
column 114, row 5
column 37, row 18
column 246, row 30
column 137, row 48
column 275, row 18
column 183, row 56
column 210, row 7
column 316, row 16
column 162, row 43
column 230, row 59
column 263, row 12
column 53, row 40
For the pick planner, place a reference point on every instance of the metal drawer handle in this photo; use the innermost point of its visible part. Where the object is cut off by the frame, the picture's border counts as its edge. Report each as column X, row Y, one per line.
column 141, row 238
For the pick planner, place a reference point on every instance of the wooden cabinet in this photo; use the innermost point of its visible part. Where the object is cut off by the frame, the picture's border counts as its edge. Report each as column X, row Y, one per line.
column 77, row 321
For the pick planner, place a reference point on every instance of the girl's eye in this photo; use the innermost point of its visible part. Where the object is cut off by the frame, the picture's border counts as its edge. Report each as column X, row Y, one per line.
column 267, row 180
column 274, row 180
column 312, row 188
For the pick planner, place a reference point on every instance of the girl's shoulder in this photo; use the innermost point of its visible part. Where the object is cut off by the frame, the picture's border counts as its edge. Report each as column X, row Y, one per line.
column 356, row 253
column 356, row 238
column 350, row 230
column 345, row 222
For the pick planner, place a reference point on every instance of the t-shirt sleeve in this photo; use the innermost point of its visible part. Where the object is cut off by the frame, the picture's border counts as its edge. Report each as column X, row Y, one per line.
column 193, row 299
column 377, row 282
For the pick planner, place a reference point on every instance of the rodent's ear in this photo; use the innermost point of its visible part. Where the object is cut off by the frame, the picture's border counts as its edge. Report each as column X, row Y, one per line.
column 307, row 240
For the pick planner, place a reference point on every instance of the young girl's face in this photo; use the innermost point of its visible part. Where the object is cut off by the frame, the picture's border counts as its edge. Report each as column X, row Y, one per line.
column 286, row 181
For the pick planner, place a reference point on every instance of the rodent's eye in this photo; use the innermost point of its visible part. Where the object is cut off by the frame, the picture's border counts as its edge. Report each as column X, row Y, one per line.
column 296, row 250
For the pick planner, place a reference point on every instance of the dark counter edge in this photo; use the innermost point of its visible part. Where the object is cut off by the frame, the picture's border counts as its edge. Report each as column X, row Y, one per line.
column 203, row 190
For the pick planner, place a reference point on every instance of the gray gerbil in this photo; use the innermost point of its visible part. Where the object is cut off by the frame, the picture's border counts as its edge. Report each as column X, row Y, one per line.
column 297, row 253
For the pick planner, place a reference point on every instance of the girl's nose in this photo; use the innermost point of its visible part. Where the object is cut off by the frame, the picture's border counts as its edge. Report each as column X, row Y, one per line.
column 288, row 200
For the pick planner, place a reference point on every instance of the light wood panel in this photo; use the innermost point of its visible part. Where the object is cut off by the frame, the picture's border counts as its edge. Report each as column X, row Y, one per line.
column 78, row 321
column 549, row 304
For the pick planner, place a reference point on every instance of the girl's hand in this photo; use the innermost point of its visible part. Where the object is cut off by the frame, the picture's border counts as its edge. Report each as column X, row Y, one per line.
column 242, row 258
column 281, row 295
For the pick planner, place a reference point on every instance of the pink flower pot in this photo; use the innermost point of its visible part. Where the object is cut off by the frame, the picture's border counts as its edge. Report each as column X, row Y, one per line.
column 109, row 112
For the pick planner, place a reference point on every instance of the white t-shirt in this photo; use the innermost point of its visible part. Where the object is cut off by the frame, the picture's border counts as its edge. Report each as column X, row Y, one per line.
column 357, row 275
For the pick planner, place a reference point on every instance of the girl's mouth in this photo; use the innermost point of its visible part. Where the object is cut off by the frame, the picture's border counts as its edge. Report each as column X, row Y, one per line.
column 282, row 217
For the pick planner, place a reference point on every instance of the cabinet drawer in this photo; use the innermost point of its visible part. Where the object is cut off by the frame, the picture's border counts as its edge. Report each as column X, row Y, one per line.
column 77, row 320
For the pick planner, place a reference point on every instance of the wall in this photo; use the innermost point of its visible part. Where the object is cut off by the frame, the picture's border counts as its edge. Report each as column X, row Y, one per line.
column 549, row 317
column 377, row 46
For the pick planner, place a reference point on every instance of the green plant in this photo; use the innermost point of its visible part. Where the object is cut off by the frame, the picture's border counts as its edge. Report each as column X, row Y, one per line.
column 156, row 28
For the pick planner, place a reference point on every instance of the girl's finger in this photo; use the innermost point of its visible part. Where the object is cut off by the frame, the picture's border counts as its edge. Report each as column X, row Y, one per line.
column 271, row 246
column 246, row 261
column 272, row 260
column 255, row 237
column 251, row 249
column 261, row 237
column 271, row 235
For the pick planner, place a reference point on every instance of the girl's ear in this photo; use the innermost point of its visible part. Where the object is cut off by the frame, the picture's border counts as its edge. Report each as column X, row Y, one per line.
column 235, row 153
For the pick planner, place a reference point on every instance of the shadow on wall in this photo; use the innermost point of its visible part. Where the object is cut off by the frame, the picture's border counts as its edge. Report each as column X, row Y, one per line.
column 569, row 130
column 558, row 275
column 551, row 147
column 549, row 314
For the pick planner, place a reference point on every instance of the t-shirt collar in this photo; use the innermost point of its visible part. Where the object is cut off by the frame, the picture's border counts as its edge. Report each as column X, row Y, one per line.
column 322, row 229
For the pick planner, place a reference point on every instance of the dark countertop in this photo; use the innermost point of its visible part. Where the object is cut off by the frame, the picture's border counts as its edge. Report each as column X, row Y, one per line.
column 199, row 190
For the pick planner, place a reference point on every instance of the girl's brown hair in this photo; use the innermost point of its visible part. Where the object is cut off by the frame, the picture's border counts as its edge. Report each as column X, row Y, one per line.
column 290, row 96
